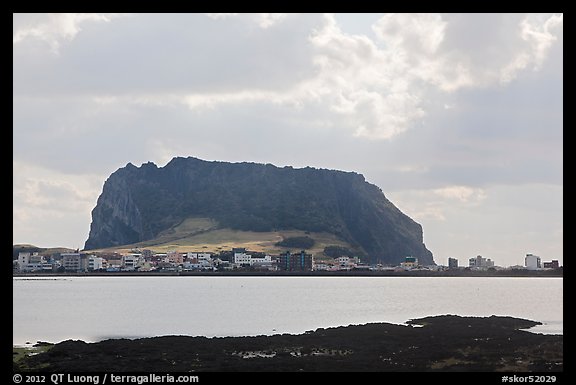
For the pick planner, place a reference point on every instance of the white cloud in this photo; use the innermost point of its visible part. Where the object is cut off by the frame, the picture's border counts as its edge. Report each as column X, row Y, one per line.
column 414, row 33
column 540, row 34
column 461, row 193
column 458, row 50
column 365, row 86
column 263, row 20
column 50, row 207
column 53, row 28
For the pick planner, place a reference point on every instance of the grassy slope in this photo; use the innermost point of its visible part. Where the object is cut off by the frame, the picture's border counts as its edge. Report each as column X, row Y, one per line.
column 20, row 353
column 41, row 250
column 203, row 234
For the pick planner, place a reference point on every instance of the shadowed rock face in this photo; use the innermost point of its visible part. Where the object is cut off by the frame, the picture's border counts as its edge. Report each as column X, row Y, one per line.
column 137, row 203
column 442, row 343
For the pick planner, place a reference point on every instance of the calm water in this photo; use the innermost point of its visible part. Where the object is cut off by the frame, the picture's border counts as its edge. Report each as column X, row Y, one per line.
column 95, row 308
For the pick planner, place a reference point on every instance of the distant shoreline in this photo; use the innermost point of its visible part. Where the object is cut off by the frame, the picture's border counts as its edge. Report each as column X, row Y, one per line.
column 352, row 273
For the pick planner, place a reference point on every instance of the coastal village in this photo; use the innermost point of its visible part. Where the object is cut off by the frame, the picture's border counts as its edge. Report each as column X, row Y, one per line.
column 239, row 260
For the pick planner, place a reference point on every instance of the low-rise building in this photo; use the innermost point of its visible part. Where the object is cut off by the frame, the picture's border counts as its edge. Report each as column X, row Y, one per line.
column 95, row 263
column 452, row 263
column 241, row 259
column 198, row 261
column 23, row 260
column 130, row 262
column 175, row 258
column 552, row 264
column 480, row 263
column 409, row 263
column 34, row 262
column 532, row 262
column 263, row 262
column 343, row 261
column 74, row 262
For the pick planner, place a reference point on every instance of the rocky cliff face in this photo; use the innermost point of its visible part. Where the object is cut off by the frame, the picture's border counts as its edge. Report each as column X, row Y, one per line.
column 137, row 203
column 116, row 219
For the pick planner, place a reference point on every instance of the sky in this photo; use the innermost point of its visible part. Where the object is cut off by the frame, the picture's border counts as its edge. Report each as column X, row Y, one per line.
column 458, row 118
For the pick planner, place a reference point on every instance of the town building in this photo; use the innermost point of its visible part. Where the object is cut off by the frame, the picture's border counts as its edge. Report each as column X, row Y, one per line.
column 175, row 258
column 347, row 263
column 479, row 262
column 200, row 256
column 532, row 262
column 263, row 262
column 552, row 264
column 23, row 260
column 114, row 263
column 323, row 267
column 198, row 261
column 74, row 262
column 295, row 262
column 33, row 262
column 241, row 259
column 95, row 263
column 409, row 263
column 343, row 261
column 147, row 253
column 452, row 263
column 130, row 262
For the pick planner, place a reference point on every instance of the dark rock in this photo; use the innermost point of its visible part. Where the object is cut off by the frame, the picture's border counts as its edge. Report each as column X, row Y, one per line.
column 444, row 343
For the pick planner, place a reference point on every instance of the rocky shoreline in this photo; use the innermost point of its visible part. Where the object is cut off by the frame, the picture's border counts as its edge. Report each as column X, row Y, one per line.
column 442, row 343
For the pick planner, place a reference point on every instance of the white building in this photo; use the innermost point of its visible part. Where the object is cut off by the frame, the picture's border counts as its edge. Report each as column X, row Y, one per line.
column 532, row 262
column 32, row 262
column 344, row 261
column 199, row 261
column 242, row 259
column 262, row 262
column 23, row 260
column 130, row 262
column 95, row 263
column 480, row 262
column 200, row 256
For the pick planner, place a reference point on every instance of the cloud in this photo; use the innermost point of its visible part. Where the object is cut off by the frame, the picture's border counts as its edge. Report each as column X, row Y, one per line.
column 405, row 32
column 53, row 28
column 541, row 34
column 375, row 89
column 456, row 51
column 50, row 207
column 263, row 20
column 461, row 193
